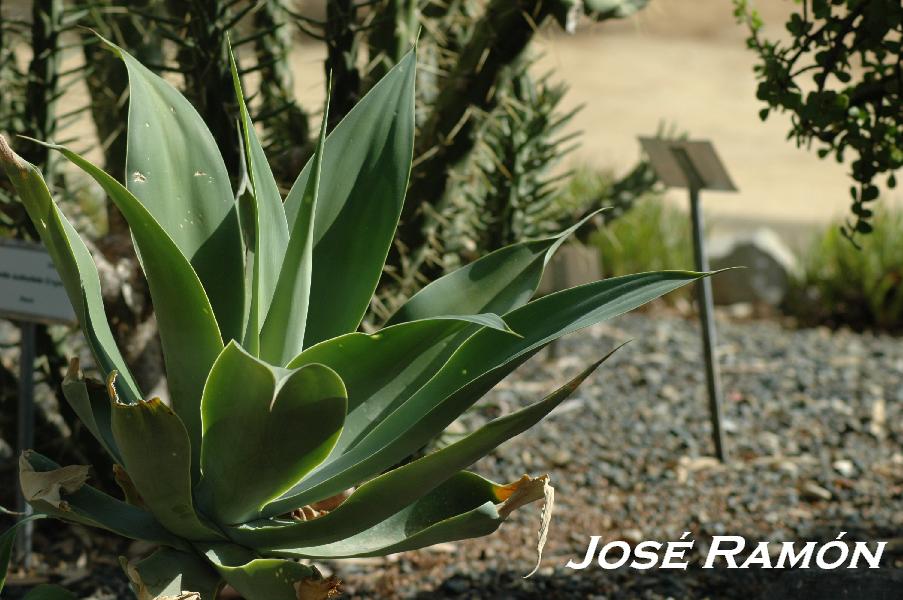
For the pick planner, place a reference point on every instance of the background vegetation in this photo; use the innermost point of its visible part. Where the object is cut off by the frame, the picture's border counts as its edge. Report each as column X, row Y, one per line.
column 858, row 287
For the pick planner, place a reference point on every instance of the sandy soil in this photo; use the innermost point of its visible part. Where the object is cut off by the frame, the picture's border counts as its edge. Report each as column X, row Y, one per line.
column 684, row 63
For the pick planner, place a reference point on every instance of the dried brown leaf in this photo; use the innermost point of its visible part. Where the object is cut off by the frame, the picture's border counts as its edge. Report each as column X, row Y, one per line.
column 47, row 486
column 524, row 491
column 314, row 588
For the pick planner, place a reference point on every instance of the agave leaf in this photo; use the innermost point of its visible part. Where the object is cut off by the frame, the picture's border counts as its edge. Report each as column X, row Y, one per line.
column 7, row 541
column 464, row 506
column 89, row 506
column 91, row 402
column 175, row 169
column 73, row 262
column 498, row 282
column 267, row 579
column 47, row 591
column 390, row 492
column 188, row 328
column 269, row 217
column 264, row 429
column 366, row 163
column 282, row 334
column 170, row 573
column 481, row 362
column 385, row 368
column 157, row 456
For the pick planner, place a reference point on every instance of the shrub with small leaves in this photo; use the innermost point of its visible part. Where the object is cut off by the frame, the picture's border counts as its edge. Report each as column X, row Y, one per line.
column 862, row 288
column 840, row 76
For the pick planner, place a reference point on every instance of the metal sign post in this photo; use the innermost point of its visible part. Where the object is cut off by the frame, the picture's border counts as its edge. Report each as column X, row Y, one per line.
column 30, row 292
column 695, row 165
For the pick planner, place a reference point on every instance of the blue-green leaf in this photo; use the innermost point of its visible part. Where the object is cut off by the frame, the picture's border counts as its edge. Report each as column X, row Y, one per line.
column 366, row 163
column 171, row 573
column 7, row 541
column 73, row 262
column 267, row 578
column 89, row 506
column 156, row 454
column 391, row 492
column 465, row 506
column 188, row 329
column 282, row 334
column 498, row 282
column 482, row 361
column 175, row 169
column 382, row 370
column 264, row 429
column 270, row 227
column 91, row 402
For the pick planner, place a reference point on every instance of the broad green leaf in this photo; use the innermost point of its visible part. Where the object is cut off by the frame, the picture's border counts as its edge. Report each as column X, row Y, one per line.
column 475, row 367
column 175, row 169
column 156, row 454
column 390, row 492
column 383, row 369
column 282, row 334
column 188, row 329
column 169, row 573
column 91, row 402
column 73, row 262
column 7, row 541
column 462, row 507
column 89, row 506
column 269, row 220
column 366, row 163
column 498, row 282
column 264, row 429
column 47, row 591
column 265, row 578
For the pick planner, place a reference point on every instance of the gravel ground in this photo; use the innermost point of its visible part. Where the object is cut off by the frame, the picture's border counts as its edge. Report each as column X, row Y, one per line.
column 814, row 421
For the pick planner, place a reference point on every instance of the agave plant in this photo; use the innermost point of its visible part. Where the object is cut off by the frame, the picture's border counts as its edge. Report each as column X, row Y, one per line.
column 284, row 425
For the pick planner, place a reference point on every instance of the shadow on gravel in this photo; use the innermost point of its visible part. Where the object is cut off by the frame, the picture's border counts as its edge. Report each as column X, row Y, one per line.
column 748, row 584
column 721, row 583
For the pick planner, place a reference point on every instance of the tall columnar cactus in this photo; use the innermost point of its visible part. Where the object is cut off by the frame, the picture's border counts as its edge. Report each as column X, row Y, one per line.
column 284, row 424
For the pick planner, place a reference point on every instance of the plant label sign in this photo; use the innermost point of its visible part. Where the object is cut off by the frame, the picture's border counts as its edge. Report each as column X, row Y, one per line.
column 30, row 287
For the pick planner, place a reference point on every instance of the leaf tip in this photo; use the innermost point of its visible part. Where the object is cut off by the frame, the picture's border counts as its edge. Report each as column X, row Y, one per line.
column 522, row 492
column 8, row 157
column 73, row 371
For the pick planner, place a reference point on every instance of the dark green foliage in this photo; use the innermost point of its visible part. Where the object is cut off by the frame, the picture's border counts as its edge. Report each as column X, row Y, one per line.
column 840, row 77
column 857, row 287
column 506, row 190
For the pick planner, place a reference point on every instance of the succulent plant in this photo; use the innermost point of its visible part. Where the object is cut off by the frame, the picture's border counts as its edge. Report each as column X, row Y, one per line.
column 285, row 426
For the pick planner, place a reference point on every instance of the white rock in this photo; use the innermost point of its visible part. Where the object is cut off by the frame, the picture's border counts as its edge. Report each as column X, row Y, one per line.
column 846, row 468
column 769, row 265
